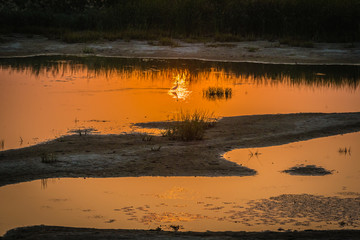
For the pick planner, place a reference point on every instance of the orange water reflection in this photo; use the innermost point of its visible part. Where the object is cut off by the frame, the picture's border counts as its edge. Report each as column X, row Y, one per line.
column 251, row 203
column 180, row 91
column 40, row 103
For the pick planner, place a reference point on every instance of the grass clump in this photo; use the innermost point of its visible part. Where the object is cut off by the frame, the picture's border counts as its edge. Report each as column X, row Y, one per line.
column 146, row 138
column 168, row 42
column 252, row 49
column 189, row 126
column 48, row 158
column 215, row 45
column 88, row 50
column 296, row 43
column 227, row 37
column 213, row 93
column 80, row 36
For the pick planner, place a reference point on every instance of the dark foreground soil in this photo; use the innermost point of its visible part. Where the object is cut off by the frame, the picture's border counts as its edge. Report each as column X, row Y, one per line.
column 67, row 233
column 128, row 155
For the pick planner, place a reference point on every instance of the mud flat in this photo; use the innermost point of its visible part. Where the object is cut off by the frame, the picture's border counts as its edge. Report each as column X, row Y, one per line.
column 60, row 233
column 247, row 51
column 129, row 155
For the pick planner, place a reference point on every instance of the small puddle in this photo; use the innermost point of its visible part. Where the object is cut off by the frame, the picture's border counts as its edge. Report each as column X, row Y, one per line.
column 271, row 200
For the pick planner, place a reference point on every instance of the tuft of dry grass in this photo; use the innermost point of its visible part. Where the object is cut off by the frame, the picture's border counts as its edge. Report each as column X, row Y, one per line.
column 80, row 36
column 146, row 137
column 48, row 158
column 252, row 49
column 165, row 41
column 296, row 43
column 215, row 45
column 88, row 50
column 189, row 125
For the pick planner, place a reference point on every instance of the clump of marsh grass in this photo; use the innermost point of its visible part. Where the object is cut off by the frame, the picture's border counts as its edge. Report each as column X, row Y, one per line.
column 175, row 227
column 146, row 137
column 83, row 132
column 213, row 93
column 216, row 45
column 296, row 43
column 88, row 50
column 168, row 42
column 189, row 126
column 252, row 49
column 80, row 36
column 48, row 158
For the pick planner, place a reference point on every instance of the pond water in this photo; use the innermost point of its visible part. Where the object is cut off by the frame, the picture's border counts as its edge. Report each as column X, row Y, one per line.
column 42, row 98
column 270, row 200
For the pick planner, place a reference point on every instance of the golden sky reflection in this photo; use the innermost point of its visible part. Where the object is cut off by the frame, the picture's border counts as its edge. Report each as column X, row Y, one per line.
column 201, row 203
column 37, row 107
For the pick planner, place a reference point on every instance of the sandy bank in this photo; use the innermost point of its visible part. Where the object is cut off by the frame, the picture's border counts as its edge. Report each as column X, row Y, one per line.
column 248, row 51
column 128, row 155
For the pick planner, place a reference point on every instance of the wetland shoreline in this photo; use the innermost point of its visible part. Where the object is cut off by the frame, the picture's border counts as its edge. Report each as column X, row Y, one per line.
column 59, row 233
column 246, row 51
column 128, row 155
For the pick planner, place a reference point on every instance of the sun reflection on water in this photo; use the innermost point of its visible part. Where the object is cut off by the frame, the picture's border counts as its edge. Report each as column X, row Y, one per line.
column 179, row 90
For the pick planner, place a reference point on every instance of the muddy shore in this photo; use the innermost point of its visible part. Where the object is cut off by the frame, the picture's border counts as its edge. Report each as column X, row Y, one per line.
column 128, row 155
column 247, row 51
column 60, row 233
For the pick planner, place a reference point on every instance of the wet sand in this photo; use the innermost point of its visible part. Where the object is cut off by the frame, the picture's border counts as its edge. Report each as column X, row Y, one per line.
column 247, row 51
column 128, row 155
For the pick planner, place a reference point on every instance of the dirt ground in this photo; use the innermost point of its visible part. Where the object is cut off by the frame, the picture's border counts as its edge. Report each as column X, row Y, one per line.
column 62, row 233
column 129, row 155
column 247, row 51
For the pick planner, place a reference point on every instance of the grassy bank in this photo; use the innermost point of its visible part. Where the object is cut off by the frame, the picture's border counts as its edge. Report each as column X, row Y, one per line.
column 225, row 20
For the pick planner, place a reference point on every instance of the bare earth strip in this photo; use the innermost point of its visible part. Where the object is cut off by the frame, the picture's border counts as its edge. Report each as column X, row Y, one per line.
column 247, row 51
column 128, row 155
column 62, row 233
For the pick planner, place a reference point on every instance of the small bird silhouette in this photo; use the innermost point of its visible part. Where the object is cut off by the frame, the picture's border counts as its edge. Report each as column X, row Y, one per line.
column 175, row 87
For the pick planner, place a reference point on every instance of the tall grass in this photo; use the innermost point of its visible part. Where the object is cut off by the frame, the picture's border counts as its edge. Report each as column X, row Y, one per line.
column 189, row 125
column 225, row 20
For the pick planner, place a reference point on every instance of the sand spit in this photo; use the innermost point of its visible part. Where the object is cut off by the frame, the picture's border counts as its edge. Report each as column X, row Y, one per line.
column 129, row 155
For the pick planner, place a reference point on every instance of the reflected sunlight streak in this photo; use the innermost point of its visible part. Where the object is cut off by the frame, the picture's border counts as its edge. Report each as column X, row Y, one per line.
column 180, row 86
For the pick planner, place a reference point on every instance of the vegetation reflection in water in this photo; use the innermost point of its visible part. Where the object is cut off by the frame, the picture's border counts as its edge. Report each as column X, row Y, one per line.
column 46, row 97
column 271, row 200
